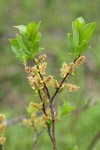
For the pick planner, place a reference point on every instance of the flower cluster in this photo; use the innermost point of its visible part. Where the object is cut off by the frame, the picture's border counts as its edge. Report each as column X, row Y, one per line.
column 40, row 115
column 2, row 127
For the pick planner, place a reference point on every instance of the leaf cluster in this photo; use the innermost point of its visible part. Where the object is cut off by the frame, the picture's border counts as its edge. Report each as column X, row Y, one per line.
column 81, row 34
column 26, row 44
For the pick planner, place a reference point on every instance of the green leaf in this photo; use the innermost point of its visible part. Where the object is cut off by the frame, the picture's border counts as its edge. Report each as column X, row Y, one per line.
column 70, row 41
column 22, row 28
column 29, row 109
column 79, row 22
column 81, row 48
column 31, row 30
column 65, row 109
column 75, row 148
column 14, row 46
column 86, row 31
column 75, row 34
column 20, row 42
column 35, row 49
column 49, row 122
column 26, row 43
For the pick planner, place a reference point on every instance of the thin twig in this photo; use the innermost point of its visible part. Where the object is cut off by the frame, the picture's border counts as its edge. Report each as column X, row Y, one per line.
column 56, row 92
column 53, row 126
column 0, row 147
column 44, row 111
column 94, row 141
column 45, row 87
column 14, row 120
column 37, row 134
column 59, row 87
column 46, row 91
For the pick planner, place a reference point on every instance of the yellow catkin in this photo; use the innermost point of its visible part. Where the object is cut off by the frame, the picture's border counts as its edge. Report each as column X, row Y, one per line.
column 47, row 80
column 41, row 58
column 27, row 122
column 2, row 127
column 35, row 105
column 31, row 70
column 42, row 67
column 64, row 70
column 2, row 117
column 55, row 84
column 33, row 115
column 2, row 140
column 71, row 87
column 71, row 68
column 80, row 60
column 36, row 82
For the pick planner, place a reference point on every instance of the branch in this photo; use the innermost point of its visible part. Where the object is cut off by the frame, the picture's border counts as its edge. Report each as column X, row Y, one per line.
column 44, row 111
column 55, row 93
column 94, row 141
column 15, row 120
column 0, row 147
column 37, row 134
column 46, row 91
column 45, row 87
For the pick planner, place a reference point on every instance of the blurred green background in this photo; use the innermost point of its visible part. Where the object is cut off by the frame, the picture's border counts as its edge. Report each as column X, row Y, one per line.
column 15, row 93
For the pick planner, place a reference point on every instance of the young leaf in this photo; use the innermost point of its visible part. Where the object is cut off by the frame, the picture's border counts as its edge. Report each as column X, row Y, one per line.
column 75, row 34
column 86, row 31
column 70, row 41
column 14, row 46
column 65, row 109
column 79, row 22
column 22, row 28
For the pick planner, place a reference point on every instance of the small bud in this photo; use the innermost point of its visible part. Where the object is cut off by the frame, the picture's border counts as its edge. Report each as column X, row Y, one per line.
column 2, row 140
column 80, row 60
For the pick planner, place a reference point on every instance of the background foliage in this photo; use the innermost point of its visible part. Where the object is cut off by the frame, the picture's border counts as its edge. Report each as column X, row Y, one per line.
column 15, row 93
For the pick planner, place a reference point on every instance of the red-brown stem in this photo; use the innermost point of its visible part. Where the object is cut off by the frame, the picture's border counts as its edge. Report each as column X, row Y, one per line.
column 53, row 127
column 94, row 141
column 37, row 134
column 57, row 90
column 51, row 107
column 0, row 147
column 44, row 111
column 52, row 98
column 45, row 87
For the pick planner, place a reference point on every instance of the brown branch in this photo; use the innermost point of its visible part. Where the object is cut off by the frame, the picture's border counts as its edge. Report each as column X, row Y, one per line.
column 53, row 126
column 94, row 141
column 0, row 147
column 57, row 90
column 46, row 91
column 37, row 134
column 14, row 120
column 45, row 87
column 44, row 111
